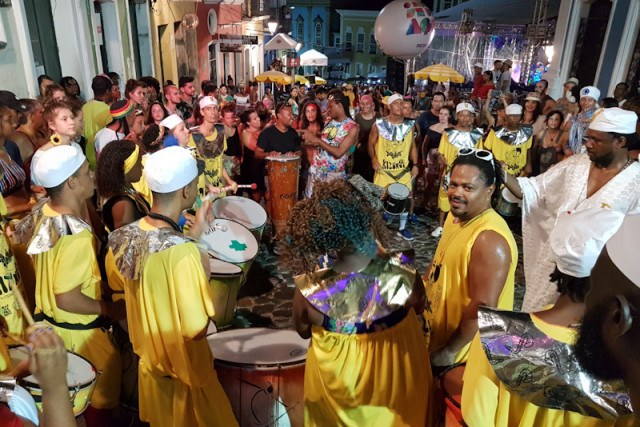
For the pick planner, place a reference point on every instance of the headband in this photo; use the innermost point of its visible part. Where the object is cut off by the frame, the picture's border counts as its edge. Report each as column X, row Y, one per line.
column 130, row 161
column 122, row 111
column 311, row 104
column 160, row 135
column 366, row 98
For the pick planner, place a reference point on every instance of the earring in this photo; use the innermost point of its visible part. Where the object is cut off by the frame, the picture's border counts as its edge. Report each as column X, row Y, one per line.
column 55, row 139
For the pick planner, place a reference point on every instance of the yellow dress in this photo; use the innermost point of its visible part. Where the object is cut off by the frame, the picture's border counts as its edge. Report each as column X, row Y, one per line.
column 69, row 264
column 514, row 156
column 142, row 187
column 393, row 149
column 167, row 306
column 450, row 153
column 377, row 379
column 486, row 401
column 446, row 282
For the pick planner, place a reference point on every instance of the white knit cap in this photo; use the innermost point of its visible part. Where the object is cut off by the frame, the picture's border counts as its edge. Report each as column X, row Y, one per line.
column 465, row 106
column 513, row 109
column 578, row 238
column 622, row 248
column 57, row 164
column 590, row 91
column 393, row 98
column 207, row 101
column 614, row 120
column 171, row 121
column 170, row 169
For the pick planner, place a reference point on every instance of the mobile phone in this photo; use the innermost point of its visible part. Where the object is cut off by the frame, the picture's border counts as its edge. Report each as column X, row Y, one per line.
column 495, row 93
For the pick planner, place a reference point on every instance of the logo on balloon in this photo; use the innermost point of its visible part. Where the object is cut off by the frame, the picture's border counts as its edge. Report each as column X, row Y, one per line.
column 417, row 11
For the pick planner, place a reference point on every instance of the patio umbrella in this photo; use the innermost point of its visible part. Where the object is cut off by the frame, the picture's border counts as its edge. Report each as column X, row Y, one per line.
column 301, row 79
column 439, row 73
column 273, row 76
column 308, row 79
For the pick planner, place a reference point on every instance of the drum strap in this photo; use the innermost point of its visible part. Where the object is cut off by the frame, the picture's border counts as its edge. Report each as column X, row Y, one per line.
column 348, row 328
column 397, row 177
column 100, row 322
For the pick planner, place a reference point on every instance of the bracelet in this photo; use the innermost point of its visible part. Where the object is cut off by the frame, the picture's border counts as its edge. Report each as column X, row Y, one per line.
column 506, row 175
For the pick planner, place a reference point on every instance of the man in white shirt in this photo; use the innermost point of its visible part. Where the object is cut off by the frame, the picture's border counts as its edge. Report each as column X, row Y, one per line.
column 116, row 130
column 505, row 78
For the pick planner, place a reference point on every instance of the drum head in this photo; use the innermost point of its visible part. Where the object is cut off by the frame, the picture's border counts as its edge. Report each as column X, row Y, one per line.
column 223, row 268
column 509, row 196
column 241, row 210
column 79, row 370
column 399, row 191
column 282, row 158
column 230, row 241
column 259, row 346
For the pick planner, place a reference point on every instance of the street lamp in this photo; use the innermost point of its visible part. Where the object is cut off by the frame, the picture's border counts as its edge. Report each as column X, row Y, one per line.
column 273, row 26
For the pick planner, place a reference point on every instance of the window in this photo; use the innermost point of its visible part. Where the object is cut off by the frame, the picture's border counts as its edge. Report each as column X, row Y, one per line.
column 373, row 46
column 360, row 45
column 447, row 4
column 347, row 69
column 348, row 41
column 359, row 69
column 318, row 34
column 336, row 41
column 300, row 30
column 371, row 70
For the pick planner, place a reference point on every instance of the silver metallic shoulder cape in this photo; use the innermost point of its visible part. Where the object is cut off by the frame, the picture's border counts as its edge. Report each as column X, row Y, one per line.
column 544, row 371
column 464, row 139
column 515, row 138
column 131, row 246
column 41, row 232
column 394, row 132
column 361, row 297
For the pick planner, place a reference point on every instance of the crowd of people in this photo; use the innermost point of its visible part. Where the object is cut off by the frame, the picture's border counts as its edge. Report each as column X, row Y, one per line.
column 105, row 202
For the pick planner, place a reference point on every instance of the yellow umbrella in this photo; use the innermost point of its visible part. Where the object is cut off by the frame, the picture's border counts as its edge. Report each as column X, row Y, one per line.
column 439, row 73
column 320, row 81
column 273, row 76
column 301, row 79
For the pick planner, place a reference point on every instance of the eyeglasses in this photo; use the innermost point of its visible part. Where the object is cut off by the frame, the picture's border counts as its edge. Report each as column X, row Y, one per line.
column 481, row 154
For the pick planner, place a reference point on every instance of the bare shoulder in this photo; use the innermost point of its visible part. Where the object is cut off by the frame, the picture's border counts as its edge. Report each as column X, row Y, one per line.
column 490, row 244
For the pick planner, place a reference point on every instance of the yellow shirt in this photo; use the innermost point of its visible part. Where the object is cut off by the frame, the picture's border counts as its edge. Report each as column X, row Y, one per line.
column 5, row 359
column 450, row 151
column 9, row 283
column 142, row 187
column 486, row 401
column 213, row 167
column 96, row 116
column 515, row 157
column 447, row 281
column 393, row 157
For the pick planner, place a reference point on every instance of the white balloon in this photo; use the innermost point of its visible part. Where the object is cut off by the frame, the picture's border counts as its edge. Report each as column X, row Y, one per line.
column 404, row 29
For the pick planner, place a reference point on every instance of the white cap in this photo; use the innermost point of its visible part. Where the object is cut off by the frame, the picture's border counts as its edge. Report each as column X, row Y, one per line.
column 393, row 98
column 622, row 248
column 57, row 164
column 614, row 120
column 171, row 121
column 578, row 238
column 465, row 106
column 513, row 109
column 207, row 101
column 478, row 64
column 170, row 169
column 590, row 91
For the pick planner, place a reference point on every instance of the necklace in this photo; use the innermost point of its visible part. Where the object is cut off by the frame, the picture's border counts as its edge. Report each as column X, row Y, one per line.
column 166, row 219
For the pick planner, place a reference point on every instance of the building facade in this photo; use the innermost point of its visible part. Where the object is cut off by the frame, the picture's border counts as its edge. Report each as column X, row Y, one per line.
column 358, row 45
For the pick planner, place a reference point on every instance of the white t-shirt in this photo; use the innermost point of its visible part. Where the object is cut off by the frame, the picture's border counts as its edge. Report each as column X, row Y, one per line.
column 241, row 99
column 506, row 76
column 105, row 136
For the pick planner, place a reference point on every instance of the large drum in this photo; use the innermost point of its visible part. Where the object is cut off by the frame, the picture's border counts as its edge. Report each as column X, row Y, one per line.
column 396, row 199
column 243, row 211
column 262, row 372
column 225, row 281
column 81, row 379
column 508, row 203
column 283, row 172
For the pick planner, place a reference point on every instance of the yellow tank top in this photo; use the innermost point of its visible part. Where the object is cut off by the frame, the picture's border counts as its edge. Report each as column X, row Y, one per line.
column 392, row 151
column 446, row 282
column 514, row 156
column 449, row 149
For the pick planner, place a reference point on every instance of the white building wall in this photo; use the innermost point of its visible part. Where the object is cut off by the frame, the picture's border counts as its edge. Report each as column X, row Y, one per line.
column 17, row 72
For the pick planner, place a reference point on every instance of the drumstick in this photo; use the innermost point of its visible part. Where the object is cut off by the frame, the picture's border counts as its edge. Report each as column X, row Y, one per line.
column 16, row 338
column 23, row 305
column 209, row 197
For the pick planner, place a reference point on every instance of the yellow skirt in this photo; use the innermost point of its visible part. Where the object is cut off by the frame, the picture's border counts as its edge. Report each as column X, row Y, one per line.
column 380, row 379
column 166, row 401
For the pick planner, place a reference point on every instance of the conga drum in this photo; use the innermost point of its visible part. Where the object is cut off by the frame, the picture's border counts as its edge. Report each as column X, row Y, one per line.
column 243, row 211
column 262, row 372
column 81, row 379
column 283, row 173
column 225, row 281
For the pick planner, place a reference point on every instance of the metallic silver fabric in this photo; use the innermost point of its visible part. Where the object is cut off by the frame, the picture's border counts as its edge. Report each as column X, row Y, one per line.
column 544, row 371
column 464, row 139
column 394, row 132
column 364, row 296
column 373, row 193
column 41, row 232
column 515, row 138
column 131, row 246
column 7, row 385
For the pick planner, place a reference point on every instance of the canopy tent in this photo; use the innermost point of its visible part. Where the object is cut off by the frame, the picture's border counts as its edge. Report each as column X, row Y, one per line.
column 313, row 58
column 512, row 12
column 280, row 41
column 273, row 76
column 439, row 73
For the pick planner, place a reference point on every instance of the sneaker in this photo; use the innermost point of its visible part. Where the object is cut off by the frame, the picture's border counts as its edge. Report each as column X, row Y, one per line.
column 405, row 235
column 437, row 232
column 413, row 219
column 386, row 217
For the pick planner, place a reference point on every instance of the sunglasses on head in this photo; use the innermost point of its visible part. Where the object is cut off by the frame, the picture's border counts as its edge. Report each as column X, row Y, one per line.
column 481, row 154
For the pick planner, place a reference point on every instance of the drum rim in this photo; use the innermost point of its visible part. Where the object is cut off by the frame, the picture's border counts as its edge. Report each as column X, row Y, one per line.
column 237, row 273
column 282, row 158
column 80, row 386
column 261, row 366
column 215, row 255
column 233, row 220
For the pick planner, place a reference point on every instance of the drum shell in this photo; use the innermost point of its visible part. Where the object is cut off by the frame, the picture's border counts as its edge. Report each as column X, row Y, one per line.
column 395, row 204
column 283, row 188
column 224, row 292
column 505, row 207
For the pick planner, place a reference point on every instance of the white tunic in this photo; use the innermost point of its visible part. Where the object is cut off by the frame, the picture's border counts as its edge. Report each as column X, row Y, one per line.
column 563, row 188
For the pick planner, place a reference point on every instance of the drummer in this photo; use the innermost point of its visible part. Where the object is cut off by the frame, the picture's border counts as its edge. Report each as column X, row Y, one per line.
column 169, row 300
column 392, row 149
column 68, row 294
